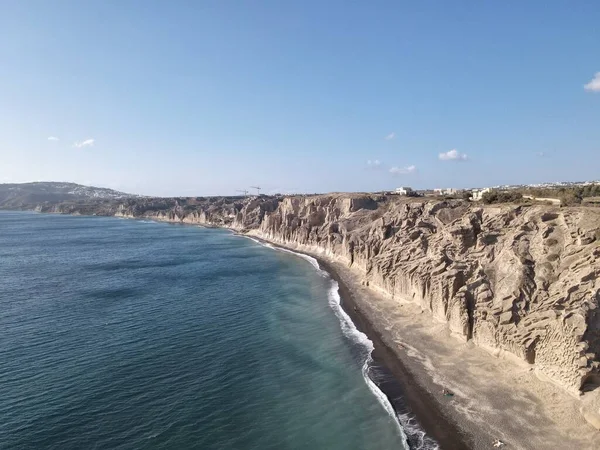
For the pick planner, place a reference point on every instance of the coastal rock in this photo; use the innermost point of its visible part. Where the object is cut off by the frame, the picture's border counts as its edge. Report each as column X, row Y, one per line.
column 522, row 280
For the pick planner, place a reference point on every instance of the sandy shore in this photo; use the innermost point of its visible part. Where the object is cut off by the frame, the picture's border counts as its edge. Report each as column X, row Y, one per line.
column 494, row 398
column 405, row 388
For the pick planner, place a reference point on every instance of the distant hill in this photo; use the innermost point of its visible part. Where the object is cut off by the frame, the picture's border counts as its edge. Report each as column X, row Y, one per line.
column 19, row 195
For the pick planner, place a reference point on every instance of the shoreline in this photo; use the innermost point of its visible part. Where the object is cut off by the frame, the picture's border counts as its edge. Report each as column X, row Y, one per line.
column 495, row 398
column 403, row 391
column 401, row 388
column 398, row 383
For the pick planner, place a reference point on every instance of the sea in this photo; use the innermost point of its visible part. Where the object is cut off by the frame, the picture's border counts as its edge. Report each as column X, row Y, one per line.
column 133, row 334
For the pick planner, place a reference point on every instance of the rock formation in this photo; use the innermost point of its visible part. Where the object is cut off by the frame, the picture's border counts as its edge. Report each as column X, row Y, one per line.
column 517, row 279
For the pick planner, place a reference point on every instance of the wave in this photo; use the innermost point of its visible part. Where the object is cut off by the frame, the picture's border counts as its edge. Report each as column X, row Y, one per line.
column 407, row 426
column 310, row 259
column 420, row 440
column 355, row 335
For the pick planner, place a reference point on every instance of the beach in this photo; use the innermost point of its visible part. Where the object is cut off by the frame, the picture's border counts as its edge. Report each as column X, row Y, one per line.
column 494, row 398
column 403, row 387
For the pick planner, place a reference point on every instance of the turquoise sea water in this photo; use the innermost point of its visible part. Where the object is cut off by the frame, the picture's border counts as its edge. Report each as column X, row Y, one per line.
column 120, row 334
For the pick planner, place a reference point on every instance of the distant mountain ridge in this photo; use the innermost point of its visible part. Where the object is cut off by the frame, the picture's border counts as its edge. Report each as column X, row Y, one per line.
column 17, row 195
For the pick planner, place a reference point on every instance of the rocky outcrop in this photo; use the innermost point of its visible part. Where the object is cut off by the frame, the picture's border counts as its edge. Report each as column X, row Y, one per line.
column 518, row 280
column 515, row 279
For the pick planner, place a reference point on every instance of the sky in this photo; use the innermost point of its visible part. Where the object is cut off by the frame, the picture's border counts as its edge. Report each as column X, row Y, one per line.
column 211, row 97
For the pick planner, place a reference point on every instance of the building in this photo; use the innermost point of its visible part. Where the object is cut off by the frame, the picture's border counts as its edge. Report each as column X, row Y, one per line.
column 477, row 194
column 403, row 190
column 448, row 191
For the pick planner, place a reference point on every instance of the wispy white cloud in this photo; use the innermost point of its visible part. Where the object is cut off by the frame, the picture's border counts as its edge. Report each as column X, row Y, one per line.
column 453, row 155
column 374, row 164
column 594, row 85
column 86, row 143
column 53, row 138
column 540, row 154
column 403, row 170
column 390, row 136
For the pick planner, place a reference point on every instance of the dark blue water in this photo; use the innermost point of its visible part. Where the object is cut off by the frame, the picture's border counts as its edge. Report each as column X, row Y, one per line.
column 119, row 334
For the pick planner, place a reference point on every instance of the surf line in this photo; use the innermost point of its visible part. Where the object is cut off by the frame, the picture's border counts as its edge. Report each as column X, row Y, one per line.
column 349, row 330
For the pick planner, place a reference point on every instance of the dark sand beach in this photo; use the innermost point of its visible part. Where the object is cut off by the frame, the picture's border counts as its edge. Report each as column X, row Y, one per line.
column 400, row 386
column 407, row 396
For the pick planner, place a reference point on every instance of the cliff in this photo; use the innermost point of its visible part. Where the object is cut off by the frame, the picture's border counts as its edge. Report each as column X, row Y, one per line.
column 517, row 280
column 522, row 280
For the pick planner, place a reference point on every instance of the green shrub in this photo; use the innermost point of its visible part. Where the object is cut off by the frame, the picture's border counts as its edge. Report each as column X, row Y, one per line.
column 571, row 197
column 501, row 197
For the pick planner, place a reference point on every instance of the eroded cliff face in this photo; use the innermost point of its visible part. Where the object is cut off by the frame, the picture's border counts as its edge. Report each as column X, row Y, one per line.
column 523, row 280
column 516, row 279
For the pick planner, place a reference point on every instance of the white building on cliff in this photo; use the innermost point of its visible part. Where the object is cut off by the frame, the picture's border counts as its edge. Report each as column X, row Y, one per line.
column 477, row 194
column 403, row 190
column 447, row 191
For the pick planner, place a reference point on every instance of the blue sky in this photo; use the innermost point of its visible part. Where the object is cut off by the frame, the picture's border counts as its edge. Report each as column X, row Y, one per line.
column 206, row 97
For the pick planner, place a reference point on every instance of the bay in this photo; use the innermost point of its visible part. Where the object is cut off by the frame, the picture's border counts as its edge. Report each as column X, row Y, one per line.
column 121, row 334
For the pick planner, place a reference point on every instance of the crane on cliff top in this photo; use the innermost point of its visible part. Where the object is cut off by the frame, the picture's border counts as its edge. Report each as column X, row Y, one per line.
column 245, row 191
column 257, row 189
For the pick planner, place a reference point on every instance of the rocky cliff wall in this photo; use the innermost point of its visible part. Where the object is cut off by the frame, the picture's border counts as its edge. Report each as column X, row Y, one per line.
column 516, row 279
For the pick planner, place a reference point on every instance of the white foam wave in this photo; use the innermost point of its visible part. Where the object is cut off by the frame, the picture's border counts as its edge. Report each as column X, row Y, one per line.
column 348, row 327
column 404, row 423
column 354, row 334
column 310, row 259
column 412, row 428
column 249, row 237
